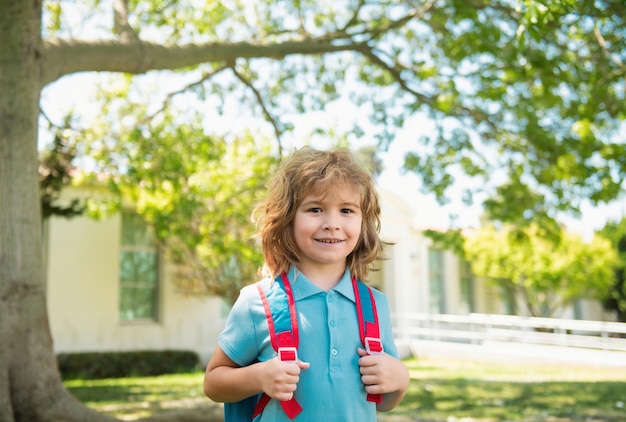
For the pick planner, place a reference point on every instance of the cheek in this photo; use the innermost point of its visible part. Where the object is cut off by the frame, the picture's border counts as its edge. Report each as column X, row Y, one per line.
column 357, row 231
column 302, row 230
column 301, row 224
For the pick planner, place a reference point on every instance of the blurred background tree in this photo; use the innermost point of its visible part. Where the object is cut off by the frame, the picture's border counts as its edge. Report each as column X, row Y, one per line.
column 615, row 298
column 544, row 276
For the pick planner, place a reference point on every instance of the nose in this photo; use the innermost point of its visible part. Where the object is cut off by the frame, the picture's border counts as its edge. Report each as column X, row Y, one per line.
column 330, row 224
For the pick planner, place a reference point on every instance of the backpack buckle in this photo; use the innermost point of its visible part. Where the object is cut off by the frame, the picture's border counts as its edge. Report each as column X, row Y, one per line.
column 373, row 345
column 288, row 354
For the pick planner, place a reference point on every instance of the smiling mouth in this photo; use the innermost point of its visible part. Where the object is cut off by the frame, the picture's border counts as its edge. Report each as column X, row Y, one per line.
column 329, row 240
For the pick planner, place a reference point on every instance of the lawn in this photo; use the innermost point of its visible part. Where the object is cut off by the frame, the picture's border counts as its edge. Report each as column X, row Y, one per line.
column 441, row 390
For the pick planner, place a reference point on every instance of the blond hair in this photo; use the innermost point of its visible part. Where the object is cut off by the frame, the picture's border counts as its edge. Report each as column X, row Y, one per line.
column 311, row 171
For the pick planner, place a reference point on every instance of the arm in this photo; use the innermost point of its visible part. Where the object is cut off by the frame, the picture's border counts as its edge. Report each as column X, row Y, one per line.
column 386, row 375
column 225, row 381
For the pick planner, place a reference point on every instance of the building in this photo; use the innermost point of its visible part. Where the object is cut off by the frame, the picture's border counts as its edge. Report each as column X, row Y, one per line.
column 108, row 289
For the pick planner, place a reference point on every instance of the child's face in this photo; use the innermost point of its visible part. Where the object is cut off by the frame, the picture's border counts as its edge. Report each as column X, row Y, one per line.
column 327, row 228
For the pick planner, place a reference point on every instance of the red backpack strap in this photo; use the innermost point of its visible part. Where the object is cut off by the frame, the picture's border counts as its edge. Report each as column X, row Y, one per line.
column 283, row 329
column 369, row 329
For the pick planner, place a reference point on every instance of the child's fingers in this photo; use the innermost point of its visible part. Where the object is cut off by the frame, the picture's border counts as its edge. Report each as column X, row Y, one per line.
column 281, row 378
column 294, row 368
column 366, row 359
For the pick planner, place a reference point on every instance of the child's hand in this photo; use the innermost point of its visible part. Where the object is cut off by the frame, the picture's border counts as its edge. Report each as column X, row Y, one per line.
column 279, row 379
column 382, row 373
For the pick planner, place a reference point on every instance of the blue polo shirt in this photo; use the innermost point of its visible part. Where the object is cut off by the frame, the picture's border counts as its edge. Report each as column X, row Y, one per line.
column 330, row 389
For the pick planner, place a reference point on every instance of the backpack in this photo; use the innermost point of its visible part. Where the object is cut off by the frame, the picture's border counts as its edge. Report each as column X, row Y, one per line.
column 280, row 311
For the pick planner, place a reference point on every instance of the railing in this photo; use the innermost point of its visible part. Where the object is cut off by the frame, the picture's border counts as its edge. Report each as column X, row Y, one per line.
column 479, row 329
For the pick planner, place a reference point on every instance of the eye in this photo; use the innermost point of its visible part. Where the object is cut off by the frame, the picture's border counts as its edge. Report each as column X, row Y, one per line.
column 315, row 210
column 346, row 211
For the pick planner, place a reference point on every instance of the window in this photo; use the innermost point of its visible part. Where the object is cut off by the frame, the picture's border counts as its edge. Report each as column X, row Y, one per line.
column 466, row 280
column 139, row 271
column 508, row 296
column 578, row 309
column 436, row 280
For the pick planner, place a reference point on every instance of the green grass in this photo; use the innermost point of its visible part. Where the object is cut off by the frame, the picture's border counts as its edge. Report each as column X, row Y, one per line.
column 440, row 390
column 482, row 391
column 133, row 398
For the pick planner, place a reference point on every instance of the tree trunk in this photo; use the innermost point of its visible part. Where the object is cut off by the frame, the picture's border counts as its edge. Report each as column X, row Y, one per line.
column 30, row 384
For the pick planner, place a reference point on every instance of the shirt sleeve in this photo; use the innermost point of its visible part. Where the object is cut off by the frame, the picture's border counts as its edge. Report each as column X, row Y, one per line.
column 239, row 338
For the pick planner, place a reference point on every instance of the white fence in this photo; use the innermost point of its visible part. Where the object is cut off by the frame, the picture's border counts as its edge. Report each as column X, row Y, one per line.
column 476, row 330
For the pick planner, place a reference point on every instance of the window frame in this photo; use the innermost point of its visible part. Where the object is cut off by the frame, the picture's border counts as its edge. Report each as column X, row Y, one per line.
column 436, row 281
column 154, row 286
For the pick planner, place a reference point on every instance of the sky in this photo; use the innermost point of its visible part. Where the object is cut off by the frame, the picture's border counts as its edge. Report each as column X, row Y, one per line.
column 75, row 92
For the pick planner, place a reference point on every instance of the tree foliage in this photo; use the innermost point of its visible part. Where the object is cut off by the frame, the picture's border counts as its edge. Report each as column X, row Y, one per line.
column 55, row 172
column 198, row 195
column 196, row 191
column 545, row 276
column 526, row 95
column 615, row 299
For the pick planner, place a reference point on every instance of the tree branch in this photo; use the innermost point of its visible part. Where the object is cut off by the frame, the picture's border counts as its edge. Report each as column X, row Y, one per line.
column 62, row 57
column 355, row 17
column 259, row 98
column 417, row 13
column 120, row 22
column 394, row 72
column 205, row 77
column 602, row 43
column 375, row 33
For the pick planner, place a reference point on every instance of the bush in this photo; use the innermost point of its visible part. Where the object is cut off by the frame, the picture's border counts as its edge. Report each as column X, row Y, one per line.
column 96, row 365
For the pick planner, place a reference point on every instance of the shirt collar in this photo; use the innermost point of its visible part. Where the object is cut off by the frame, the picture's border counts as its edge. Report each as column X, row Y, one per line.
column 302, row 287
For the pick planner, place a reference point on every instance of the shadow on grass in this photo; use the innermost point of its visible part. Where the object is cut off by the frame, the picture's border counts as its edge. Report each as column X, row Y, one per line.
column 175, row 398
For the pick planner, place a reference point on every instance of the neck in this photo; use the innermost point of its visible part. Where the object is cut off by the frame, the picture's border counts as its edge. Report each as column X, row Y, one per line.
column 324, row 277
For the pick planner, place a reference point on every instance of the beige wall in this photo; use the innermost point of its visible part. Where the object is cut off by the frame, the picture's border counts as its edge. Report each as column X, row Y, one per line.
column 83, row 297
column 402, row 271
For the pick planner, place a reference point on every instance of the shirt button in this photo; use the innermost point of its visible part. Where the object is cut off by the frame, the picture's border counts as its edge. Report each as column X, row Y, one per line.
column 333, row 352
column 332, row 323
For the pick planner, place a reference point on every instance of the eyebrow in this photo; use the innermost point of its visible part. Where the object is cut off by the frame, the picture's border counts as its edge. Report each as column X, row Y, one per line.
column 318, row 201
column 354, row 204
